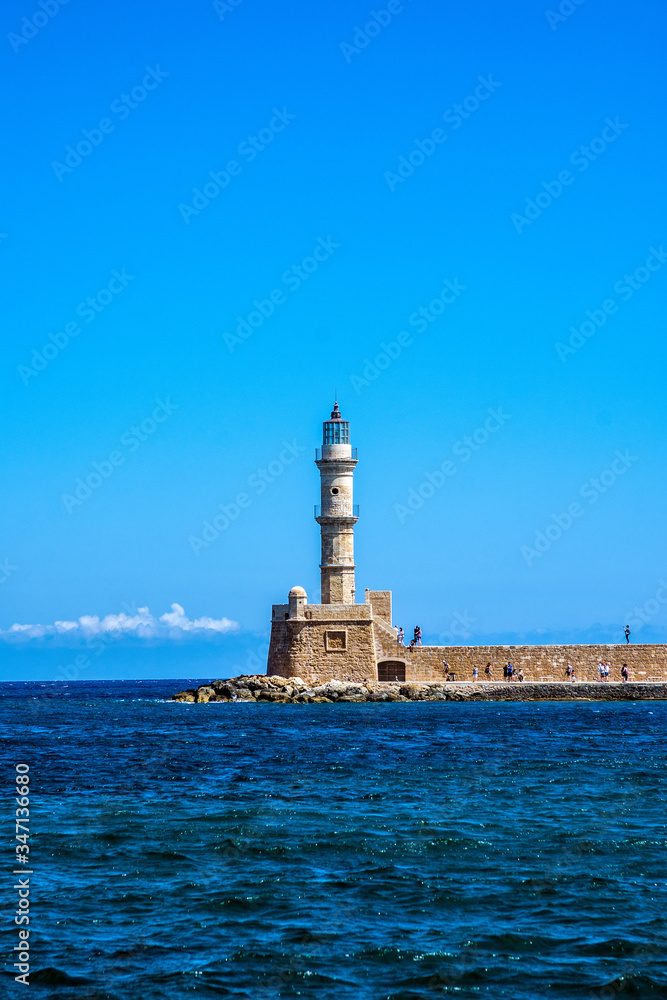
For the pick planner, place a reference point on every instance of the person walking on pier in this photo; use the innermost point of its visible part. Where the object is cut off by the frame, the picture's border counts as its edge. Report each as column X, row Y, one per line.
column 400, row 638
column 475, row 675
column 600, row 671
column 488, row 670
column 418, row 636
column 627, row 633
column 624, row 673
column 510, row 672
column 568, row 671
column 606, row 672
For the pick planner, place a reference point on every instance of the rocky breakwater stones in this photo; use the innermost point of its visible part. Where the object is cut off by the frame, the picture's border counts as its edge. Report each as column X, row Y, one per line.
column 294, row 690
column 260, row 688
column 256, row 687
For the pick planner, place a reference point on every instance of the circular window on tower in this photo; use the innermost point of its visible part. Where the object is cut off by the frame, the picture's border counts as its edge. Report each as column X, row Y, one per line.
column 334, row 491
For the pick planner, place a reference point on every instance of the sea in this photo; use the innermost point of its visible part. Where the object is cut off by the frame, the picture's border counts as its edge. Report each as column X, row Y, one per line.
column 401, row 851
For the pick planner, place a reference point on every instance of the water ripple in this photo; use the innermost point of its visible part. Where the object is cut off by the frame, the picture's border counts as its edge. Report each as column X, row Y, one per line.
column 341, row 852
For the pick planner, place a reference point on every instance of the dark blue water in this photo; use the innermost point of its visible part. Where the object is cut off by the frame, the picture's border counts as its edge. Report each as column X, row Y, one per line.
column 397, row 851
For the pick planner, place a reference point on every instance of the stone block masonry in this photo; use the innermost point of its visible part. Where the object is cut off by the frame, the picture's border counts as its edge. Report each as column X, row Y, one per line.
column 324, row 642
column 352, row 642
column 544, row 664
column 380, row 600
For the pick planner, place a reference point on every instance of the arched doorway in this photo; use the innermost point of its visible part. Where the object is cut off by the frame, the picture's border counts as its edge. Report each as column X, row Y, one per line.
column 391, row 670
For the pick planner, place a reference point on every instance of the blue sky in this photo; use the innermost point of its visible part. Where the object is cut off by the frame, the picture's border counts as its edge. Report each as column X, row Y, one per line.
column 134, row 340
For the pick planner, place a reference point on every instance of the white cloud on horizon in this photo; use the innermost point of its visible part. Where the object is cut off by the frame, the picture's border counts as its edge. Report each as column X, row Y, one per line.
column 141, row 624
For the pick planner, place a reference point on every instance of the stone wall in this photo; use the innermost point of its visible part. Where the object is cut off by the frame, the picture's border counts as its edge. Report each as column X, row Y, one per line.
column 331, row 641
column 326, row 612
column 539, row 663
column 380, row 600
column 322, row 642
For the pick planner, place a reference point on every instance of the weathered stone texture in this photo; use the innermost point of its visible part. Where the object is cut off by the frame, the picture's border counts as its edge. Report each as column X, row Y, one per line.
column 539, row 663
column 348, row 641
column 320, row 642
column 380, row 600
column 337, row 520
column 331, row 641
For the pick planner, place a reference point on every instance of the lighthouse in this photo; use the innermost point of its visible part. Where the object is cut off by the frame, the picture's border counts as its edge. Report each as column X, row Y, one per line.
column 336, row 513
column 338, row 638
column 356, row 643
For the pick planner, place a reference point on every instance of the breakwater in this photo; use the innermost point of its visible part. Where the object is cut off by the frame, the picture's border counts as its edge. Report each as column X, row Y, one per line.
column 645, row 661
column 294, row 690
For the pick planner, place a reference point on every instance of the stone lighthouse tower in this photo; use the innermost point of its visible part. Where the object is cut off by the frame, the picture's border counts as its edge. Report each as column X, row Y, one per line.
column 337, row 639
column 336, row 514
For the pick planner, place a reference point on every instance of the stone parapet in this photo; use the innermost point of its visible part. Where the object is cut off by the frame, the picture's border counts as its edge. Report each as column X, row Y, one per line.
column 380, row 600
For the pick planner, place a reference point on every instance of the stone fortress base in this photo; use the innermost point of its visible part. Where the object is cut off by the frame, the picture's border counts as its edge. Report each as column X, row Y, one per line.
column 355, row 642
column 339, row 640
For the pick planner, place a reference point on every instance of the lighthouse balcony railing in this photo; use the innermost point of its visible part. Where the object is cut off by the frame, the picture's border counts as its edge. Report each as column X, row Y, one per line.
column 345, row 510
column 318, row 454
